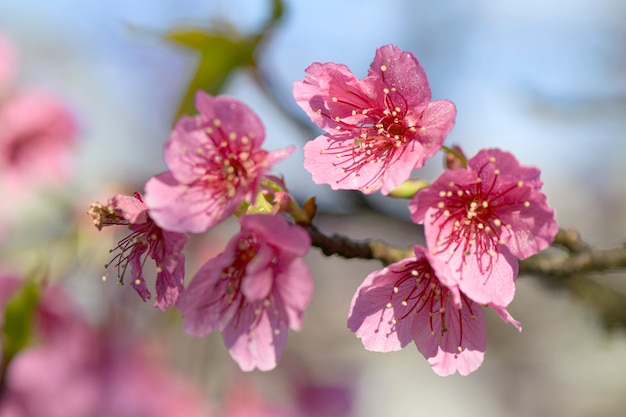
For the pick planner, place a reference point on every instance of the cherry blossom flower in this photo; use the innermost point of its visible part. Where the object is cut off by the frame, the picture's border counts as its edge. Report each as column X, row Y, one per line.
column 146, row 238
column 378, row 129
column 479, row 220
column 406, row 302
column 253, row 291
column 215, row 161
column 37, row 137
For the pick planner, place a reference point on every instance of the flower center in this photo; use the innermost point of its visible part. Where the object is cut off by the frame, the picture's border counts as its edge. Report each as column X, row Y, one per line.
column 471, row 214
column 225, row 162
column 417, row 291
column 378, row 134
column 135, row 245
column 228, row 298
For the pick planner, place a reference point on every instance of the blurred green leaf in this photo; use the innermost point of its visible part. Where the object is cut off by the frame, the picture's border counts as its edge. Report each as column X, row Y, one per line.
column 222, row 50
column 18, row 317
column 278, row 10
column 219, row 56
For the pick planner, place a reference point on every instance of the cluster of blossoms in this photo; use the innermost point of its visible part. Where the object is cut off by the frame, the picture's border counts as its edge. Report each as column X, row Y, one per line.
column 259, row 286
column 480, row 216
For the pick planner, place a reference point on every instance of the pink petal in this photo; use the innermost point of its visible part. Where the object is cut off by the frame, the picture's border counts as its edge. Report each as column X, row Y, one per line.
column 170, row 284
column 198, row 304
column 403, row 72
column 181, row 208
column 371, row 320
column 322, row 82
column 461, row 348
column 133, row 209
column 275, row 230
column 257, row 283
column 256, row 342
column 437, row 121
column 294, row 284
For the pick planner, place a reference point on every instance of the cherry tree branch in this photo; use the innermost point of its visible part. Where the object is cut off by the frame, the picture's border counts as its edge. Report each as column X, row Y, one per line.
column 345, row 247
column 577, row 257
column 567, row 265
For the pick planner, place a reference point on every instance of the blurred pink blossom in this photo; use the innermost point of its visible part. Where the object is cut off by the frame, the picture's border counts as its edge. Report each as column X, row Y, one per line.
column 95, row 374
column 77, row 370
column 378, row 129
column 244, row 400
column 37, row 138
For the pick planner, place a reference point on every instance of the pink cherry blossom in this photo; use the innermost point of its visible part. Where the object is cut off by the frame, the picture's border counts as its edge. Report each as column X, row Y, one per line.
column 253, row 291
column 215, row 161
column 378, row 129
column 479, row 220
column 146, row 238
column 406, row 302
column 37, row 137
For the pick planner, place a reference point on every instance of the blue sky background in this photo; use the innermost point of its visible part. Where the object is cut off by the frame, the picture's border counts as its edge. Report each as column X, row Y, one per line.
column 545, row 81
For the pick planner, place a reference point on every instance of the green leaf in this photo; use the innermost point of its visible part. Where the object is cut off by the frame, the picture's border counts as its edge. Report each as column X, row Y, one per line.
column 408, row 188
column 222, row 50
column 18, row 317
column 219, row 56
column 278, row 10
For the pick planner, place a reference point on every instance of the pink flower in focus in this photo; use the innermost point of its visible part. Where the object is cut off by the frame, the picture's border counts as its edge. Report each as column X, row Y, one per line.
column 37, row 134
column 147, row 238
column 378, row 129
column 479, row 220
column 215, row 161
column 406, row 302
column 253, row 291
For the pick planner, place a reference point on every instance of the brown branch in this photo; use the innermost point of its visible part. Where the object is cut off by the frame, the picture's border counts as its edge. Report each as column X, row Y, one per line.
column 568, row 268
column 586, row 261
column 345, row 247
column 578, row 257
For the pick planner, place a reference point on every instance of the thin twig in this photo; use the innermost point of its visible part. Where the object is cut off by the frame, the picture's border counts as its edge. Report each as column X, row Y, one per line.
column 577, row 256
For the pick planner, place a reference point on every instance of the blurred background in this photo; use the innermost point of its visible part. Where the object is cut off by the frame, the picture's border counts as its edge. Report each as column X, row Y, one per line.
column 546, row 81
